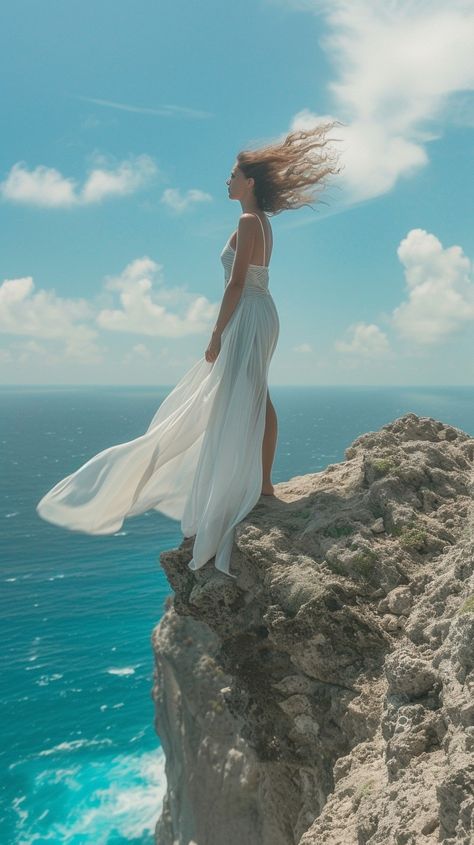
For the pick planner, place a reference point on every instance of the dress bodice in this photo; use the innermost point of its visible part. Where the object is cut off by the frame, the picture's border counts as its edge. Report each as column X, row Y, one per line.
column 257, row 277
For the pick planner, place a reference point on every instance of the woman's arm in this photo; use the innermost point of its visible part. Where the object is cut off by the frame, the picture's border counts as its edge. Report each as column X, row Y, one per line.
column 245, row 239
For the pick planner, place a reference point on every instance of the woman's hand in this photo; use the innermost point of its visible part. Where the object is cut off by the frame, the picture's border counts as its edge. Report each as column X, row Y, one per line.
column 213, row 348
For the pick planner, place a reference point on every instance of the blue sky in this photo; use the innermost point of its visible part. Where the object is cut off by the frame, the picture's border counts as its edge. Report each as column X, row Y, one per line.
column 121, row 123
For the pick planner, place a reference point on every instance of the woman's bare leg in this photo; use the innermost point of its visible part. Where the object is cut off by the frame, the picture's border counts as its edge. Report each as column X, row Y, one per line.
column 268, row 447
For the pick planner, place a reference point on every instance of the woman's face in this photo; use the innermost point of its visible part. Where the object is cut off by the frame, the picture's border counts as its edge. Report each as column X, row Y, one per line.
column 237, row 183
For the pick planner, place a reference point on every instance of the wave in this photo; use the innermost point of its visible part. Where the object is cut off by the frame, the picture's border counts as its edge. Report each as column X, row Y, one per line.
column 108, row 799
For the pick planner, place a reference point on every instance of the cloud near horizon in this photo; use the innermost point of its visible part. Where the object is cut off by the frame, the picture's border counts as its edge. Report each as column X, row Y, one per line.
column 146, row 307
column 439, row 304
column 44, row 315
column 143, row 305
column 440, row 289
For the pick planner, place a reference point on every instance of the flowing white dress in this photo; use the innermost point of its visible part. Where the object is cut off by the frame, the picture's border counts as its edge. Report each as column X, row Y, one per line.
column 200, row 460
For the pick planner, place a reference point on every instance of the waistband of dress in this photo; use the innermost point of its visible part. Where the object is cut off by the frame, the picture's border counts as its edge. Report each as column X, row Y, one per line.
column 248, row 288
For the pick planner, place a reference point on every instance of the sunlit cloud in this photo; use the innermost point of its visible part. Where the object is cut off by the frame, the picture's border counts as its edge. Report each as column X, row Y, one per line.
column 138, row 352
column 440, row 289
column 365, row 340
column 303, row 348
column 47, row 187
column 396, row 66
column 143, row 305
column 44, row 315
column 173, row 198
column 439, row 300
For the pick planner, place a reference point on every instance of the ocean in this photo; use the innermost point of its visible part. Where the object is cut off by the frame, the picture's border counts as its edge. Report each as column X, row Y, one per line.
column 80, row 760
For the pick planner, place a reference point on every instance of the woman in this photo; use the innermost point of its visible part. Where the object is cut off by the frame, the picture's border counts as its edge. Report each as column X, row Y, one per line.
column 207, row 454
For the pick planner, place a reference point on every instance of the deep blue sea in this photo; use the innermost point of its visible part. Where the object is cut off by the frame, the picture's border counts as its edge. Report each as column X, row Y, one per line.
column 80, row 760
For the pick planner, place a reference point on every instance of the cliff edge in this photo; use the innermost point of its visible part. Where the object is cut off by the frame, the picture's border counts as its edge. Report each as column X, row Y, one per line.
column 325, row 697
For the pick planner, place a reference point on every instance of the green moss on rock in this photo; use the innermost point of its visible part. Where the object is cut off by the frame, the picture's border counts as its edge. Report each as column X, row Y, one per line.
column 383, row 465
column 468, row 606
column 364, row 562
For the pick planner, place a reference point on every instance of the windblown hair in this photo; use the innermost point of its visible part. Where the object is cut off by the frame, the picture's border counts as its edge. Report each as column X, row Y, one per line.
column 284, row 170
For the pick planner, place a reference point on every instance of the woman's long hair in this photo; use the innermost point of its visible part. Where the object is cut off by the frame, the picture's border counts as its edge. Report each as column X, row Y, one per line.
column 283, row 171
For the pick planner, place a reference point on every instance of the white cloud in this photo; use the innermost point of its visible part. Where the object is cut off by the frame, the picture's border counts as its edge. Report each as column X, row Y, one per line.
column 42, row 314
column 397, row 65
column 127, row 178
column 44, row 186
column 32, row 352
column 6, row 356
column 366, row 340
column 69, row 327
column 173, row 198
column 138, row 352
column 440, row 289
column 47, row 316
column 303, row 348
column 47, row 187
column 440, row 299
column 143, row 305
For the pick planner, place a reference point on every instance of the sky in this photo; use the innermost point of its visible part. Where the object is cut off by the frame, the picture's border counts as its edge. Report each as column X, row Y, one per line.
column 121, row 124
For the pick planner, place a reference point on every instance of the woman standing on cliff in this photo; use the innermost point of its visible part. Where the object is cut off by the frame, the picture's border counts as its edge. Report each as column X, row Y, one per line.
column 207, row 454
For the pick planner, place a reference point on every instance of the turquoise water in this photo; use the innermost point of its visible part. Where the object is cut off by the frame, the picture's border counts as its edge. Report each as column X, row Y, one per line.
column 80, row 760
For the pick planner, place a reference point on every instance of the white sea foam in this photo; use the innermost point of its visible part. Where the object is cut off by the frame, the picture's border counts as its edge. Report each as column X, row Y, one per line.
column 22, row 814
column 46, row 679
column 122, row 793
column 138, row 736
column 124, row 670
column 73, row 745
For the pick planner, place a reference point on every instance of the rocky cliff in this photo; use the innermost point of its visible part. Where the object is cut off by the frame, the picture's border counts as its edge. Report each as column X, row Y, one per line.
column 325, row 697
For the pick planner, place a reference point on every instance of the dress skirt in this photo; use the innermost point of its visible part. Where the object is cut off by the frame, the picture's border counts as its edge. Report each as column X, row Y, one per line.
column 200, row 459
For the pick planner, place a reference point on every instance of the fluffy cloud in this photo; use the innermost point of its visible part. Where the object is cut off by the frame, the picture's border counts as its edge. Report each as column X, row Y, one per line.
column 31, row 352
column 173, row 199
column 440, row 299
column 304, row 348
column 57, row 327
column 47, row 187
column 138, row 354
column 143, row 305
column 396, row 66
column 47, row 316
column 440, row 289
column 365, row 340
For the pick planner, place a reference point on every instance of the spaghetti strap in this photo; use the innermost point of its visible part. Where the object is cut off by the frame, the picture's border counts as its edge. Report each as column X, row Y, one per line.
column 264, row 243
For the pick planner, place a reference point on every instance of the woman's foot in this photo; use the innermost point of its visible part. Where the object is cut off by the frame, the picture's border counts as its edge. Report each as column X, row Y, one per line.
column 268, row 490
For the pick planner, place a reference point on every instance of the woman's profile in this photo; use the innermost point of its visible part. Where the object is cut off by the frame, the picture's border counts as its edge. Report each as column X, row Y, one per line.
column 207, row 454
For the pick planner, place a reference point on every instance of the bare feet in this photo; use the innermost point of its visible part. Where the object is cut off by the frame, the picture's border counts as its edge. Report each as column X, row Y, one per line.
column 268, row 490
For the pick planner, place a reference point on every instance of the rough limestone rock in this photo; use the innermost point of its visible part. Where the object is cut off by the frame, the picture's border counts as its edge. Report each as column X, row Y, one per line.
column 325, row 697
